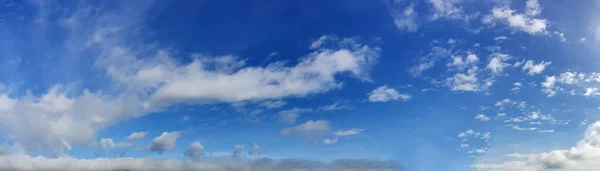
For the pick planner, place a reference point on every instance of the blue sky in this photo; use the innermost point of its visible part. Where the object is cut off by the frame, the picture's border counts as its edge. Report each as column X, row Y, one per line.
column 286, row 85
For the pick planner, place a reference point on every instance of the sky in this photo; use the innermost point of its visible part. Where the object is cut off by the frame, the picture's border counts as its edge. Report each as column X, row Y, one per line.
column 300, row 85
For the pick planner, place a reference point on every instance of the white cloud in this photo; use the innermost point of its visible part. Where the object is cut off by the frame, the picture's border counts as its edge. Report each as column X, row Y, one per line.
column 329, row 141
column 459, row 63
column 67, row 120
column 523, row 22
column 309, row 129
column 195, row 150
column 273, row 104
column 165, row 142
column 467, row 137
column 322, row 40
column 348, row 132
column 583, row 156
column 446, row 9
column 385, row 94
column 591, row 91
column 533, row 68
column 497, row 63
column 136, row 136
column 561, row 36
column 406, row 19
column 518, row 128
column 482, row 117
column 464, row 82
column 582, row 39
column 549, row 85
column 291, row 115
column 207, row 81
column 517, row 87
column 547, row 131
column 500, row 38
column 532, row 8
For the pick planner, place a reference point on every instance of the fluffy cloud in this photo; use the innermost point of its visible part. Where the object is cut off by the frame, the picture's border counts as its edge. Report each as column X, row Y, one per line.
column 53, row 122
column 533, row 68
column 497, row 63
column 195, row 150
column 464, row 82
column 518, row 21
column 315, row 73
column 136, row 136
column 482, row 117
column 461, row 63
column 385, row 94
column 165, row 142
column 583, row 156
column 310, row 129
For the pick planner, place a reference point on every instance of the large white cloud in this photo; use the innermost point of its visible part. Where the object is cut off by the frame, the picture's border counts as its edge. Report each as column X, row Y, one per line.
column 583, row 156
column 527, row 22
column 54, row 121
column 141, row 79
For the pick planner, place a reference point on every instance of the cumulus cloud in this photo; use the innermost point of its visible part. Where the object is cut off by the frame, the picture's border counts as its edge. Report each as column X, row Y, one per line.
column 583, row 156
column 165, row 142
column 385, row 94
column 195, row 150
column 310, row 129
column 67, row 120
column 482, row 117
column 527, row 22
column 533, row 69
column 464, row 82
column 136, row 136
column 497, row 63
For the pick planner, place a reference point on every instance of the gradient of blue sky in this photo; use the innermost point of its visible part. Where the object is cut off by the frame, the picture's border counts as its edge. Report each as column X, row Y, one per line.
column 464, row 84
